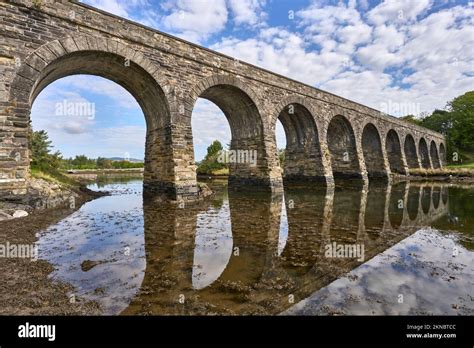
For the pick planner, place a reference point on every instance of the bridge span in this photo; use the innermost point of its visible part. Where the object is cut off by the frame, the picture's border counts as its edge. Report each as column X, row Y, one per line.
column 327, row 136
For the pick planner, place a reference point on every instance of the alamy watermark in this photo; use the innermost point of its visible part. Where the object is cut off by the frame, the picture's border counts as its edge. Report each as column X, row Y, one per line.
column 238, row 156
column 37, row 331
column 76, row 109
column 400, row 109
column 335, row 250
column 19, row 251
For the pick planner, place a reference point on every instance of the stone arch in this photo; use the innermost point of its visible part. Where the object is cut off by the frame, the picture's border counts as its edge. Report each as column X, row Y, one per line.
column 121, row 64
column 372, row 149
column 241, row 107
column 442, row 155
column 410, row 152
column 434, row 155
column 424, row 154
column 303, row 158
column 342, row 148
column 394, row 152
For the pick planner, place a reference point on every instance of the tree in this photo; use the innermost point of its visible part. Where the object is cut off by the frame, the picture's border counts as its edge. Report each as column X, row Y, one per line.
column 281, row 155
column 457, row 123
column 412, row 119
column 213, row 150
column 40, row 152
column 104, row 163
column 210, row 163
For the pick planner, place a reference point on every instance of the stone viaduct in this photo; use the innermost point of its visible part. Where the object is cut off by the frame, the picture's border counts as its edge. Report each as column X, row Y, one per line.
column 327, row 136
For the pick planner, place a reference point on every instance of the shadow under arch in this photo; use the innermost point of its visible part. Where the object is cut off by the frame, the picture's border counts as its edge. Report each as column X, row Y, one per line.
column 248, row 161
column 424, row 154
column 342, row 147
column 410, row 152
column 442, row 154
column 303, row 153
column 394, row 152
column 434, row 155
column 372, row 149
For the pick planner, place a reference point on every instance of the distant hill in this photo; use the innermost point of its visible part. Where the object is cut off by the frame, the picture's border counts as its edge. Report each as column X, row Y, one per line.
column 132, row 160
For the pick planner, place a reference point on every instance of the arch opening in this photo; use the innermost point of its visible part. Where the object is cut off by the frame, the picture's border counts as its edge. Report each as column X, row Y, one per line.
column 434, row 155
column 394, row 152
column 426, row 199
column 302, row 159
column 442, row 155
column 424, row 154
column 159, row 170
column 245, row 158
column 342, row 147
column 372, row 149
column 410, row 152
column 413, row 202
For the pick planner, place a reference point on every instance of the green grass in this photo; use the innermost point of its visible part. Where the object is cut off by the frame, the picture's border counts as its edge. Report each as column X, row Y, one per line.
column 460, row 166
column 53, row 177
column 446, row 171
column 223, row 171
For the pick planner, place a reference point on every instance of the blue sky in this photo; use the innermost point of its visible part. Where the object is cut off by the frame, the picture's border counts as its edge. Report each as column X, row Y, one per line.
column 403, row 56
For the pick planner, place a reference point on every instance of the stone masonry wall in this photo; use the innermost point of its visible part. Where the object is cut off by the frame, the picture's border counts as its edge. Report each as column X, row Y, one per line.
column 44, row 40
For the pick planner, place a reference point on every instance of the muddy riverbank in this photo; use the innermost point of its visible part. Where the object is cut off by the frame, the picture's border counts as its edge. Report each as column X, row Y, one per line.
column 26, row 287
column 248, row 253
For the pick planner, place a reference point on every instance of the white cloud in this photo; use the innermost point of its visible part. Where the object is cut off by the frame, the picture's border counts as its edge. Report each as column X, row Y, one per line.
column 248, row 11
column 100, row 86
column 420, row 59
column 397, row 11
column 283, row 52
column 195, row 20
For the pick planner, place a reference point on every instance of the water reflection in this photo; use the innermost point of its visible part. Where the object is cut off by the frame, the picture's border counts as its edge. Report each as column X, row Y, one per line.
column 238, row 253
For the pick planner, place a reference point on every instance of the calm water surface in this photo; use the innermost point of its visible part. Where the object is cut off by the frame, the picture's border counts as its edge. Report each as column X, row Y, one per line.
column 260, row 253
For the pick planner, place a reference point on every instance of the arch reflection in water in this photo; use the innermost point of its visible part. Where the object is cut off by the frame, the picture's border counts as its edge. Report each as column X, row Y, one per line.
column 261, row 270
column 213, row 243
column 227, row 255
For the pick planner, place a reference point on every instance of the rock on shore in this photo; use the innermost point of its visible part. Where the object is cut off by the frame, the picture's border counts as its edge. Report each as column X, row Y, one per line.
column 40, row 194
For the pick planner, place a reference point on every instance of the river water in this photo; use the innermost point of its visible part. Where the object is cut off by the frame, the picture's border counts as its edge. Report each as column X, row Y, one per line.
column 355, row 249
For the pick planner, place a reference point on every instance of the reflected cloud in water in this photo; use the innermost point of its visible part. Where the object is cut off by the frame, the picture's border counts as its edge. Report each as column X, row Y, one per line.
column 249, row 253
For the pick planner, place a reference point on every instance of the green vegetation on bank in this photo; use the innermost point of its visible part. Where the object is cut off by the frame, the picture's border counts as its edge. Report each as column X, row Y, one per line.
column 457, row 124
column 83, row 162
column 211, row 165
column 462, row 166
column 51, row 166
